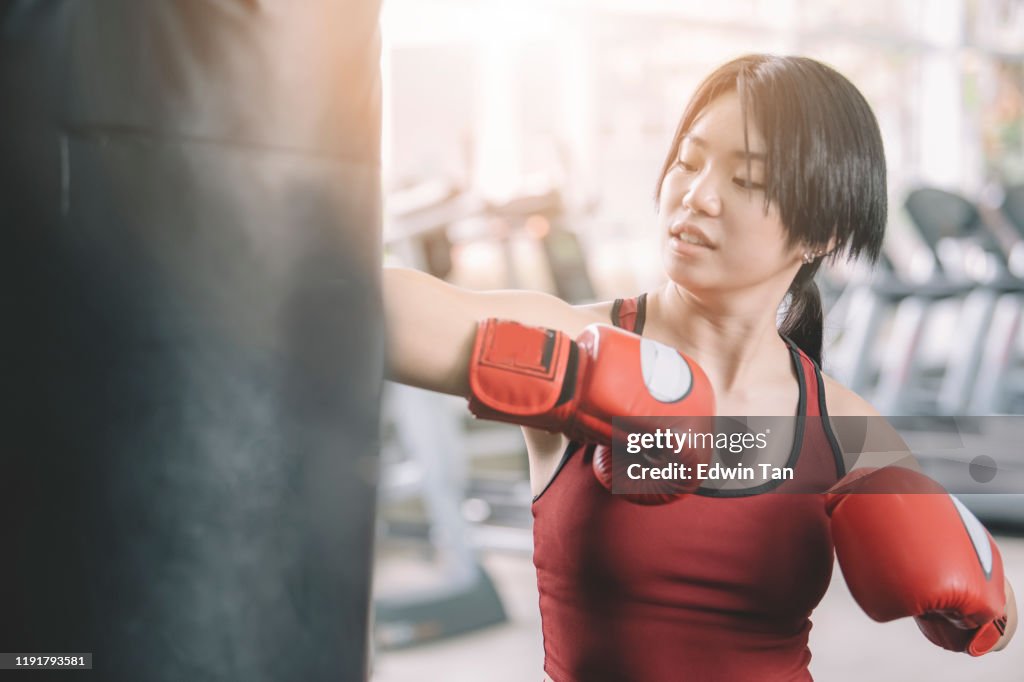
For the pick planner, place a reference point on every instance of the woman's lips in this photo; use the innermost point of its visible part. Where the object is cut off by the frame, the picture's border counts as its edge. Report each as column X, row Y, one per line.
column 686, row 235
column 681, row 248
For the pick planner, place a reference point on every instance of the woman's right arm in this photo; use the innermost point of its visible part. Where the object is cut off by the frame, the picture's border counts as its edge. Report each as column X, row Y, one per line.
column 430, row 325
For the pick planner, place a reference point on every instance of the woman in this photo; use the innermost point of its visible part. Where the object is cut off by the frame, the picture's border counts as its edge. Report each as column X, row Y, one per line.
column 777, row 163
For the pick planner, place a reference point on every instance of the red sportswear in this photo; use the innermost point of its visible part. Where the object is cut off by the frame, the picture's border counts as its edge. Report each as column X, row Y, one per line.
column 712, row 588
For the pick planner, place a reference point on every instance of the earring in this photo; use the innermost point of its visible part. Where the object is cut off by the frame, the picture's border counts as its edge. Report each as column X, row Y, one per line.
column 809, row 256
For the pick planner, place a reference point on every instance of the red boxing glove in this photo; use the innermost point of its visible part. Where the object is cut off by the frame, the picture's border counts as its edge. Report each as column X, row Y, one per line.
column 541, row 378
column 908, row 548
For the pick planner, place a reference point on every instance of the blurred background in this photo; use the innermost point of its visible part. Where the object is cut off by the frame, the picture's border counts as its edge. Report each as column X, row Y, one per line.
column 521, row 146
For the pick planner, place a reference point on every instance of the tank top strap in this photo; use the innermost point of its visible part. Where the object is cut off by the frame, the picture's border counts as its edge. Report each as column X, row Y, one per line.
column 814, row 387
column 630, row 313
column 816, row 407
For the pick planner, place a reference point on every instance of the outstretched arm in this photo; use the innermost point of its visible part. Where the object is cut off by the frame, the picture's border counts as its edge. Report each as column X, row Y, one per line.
column 431, row 325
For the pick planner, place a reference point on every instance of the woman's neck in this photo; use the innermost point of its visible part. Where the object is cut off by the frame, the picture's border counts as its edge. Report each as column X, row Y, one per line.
column 733, row 337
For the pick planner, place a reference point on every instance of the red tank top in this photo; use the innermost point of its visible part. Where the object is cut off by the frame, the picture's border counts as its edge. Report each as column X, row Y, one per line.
column 713, row 587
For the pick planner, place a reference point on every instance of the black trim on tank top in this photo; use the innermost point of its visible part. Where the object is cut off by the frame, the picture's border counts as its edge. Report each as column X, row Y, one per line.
column 615, row 311
column 798, row 437
column 826, row 423
column 570, row 448
column 641, row 314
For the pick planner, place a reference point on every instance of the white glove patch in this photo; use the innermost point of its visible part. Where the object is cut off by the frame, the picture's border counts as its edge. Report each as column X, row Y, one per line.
column 665, row 372
column 978, row 535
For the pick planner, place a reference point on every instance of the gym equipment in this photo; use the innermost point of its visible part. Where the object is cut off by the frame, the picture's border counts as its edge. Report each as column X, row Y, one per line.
column 542, row 215
column 192, row 350
column 972, row 272
column 867, row 359
column 430, row 467
column 426, row 221
column 424, row 460
column 970, row 283
column 1013, row 205
column 1000, row 382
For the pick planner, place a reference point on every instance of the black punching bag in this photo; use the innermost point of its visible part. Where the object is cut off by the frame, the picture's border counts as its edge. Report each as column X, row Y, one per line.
column 191, row 365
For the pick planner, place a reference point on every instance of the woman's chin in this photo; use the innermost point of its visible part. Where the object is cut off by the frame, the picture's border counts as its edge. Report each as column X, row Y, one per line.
column 688, row 275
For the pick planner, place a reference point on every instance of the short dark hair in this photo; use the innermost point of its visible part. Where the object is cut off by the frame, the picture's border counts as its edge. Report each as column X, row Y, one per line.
column 824, row 165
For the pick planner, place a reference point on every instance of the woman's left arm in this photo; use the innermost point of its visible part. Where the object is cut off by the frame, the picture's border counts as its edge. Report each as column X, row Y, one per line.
column 870, row 442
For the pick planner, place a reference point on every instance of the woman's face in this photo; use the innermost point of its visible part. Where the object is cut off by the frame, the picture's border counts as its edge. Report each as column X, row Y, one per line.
column 717, row 235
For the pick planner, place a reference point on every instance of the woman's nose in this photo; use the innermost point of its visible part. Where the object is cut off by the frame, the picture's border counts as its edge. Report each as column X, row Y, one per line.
column 702, row 196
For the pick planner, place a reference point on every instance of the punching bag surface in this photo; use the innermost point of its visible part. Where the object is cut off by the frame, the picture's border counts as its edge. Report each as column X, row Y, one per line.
column 192, row 344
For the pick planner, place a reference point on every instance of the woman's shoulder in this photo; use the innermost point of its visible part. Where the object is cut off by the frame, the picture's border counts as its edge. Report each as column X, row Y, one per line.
column 842, row 402
column 600, row 311
column 869, row 441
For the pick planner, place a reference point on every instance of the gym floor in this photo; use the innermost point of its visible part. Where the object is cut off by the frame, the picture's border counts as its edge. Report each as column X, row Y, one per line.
column 847, row 646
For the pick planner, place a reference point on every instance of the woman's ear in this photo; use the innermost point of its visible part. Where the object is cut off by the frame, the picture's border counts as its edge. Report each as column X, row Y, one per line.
column 812, row 252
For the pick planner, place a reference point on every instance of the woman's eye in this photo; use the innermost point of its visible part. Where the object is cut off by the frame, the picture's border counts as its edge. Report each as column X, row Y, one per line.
column 747, row 184
column 688, row 167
